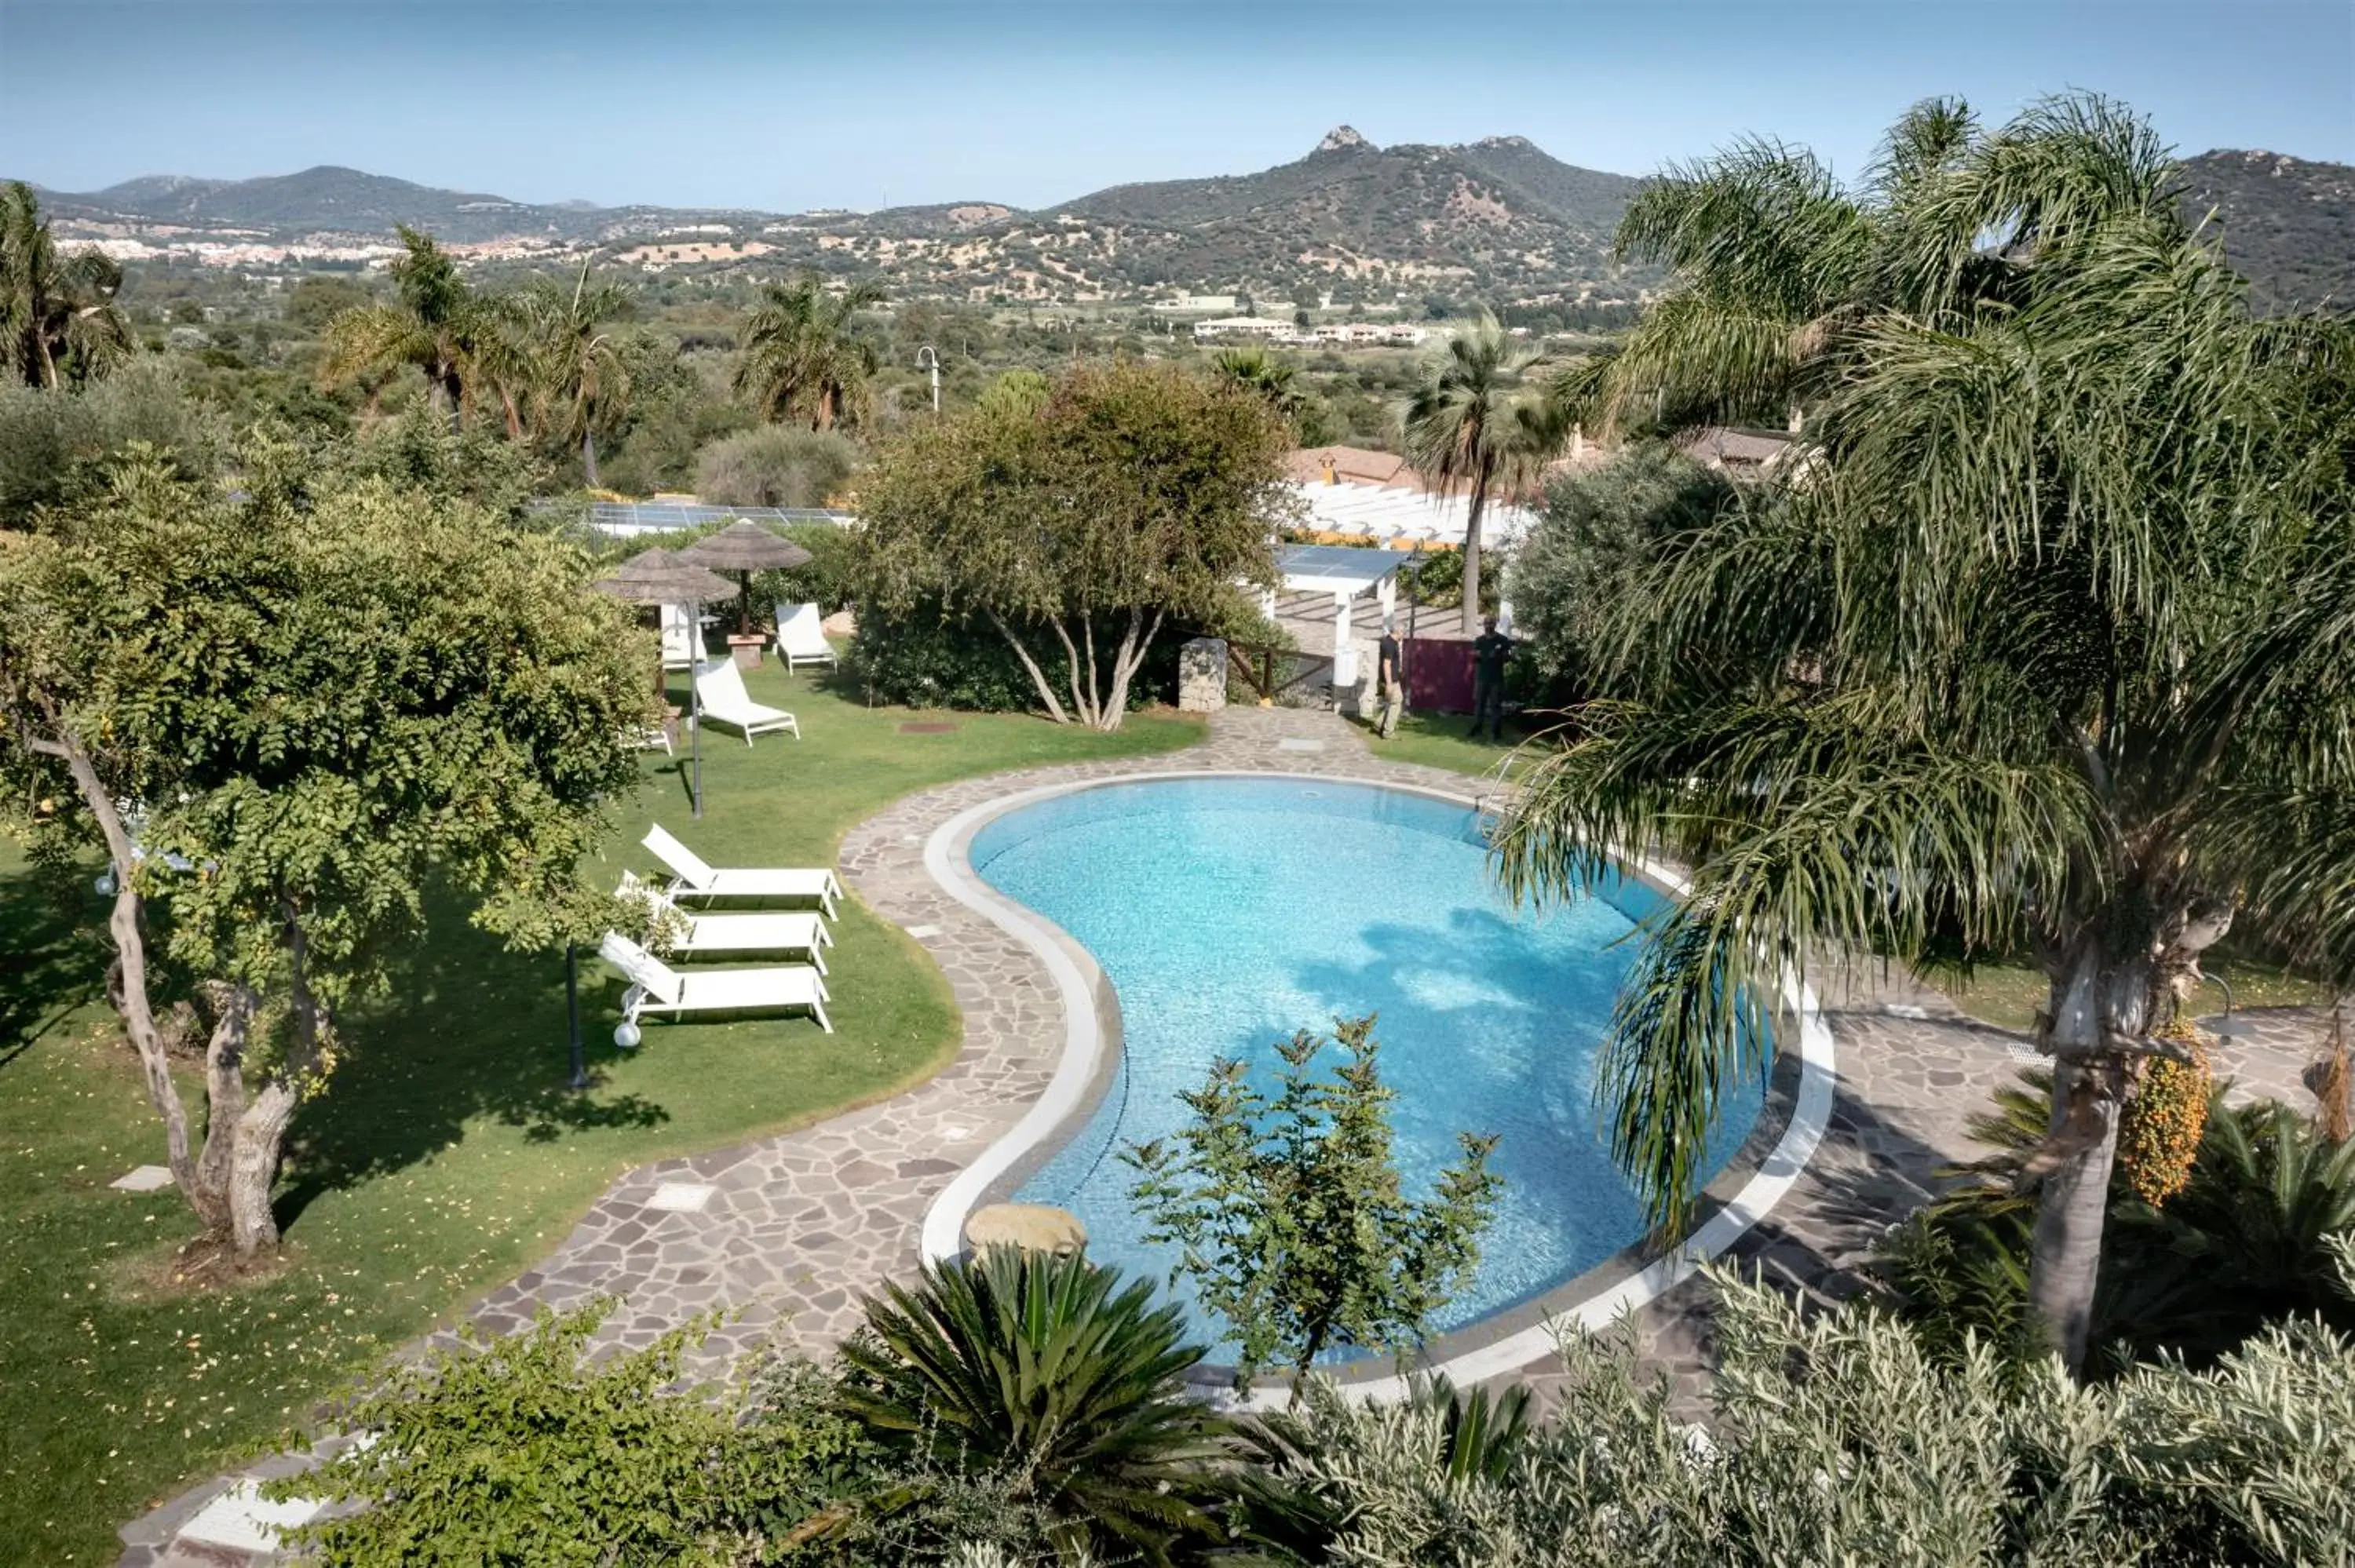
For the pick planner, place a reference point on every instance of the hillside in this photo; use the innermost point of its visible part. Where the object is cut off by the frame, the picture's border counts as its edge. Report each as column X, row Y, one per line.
column 2289, row 224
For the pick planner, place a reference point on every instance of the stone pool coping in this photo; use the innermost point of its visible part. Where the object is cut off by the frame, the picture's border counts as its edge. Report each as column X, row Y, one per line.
column 1756, row 1179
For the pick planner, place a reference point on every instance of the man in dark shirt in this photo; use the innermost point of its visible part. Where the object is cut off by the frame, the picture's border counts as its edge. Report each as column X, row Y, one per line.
column 1390, row 669
column 1489, row 651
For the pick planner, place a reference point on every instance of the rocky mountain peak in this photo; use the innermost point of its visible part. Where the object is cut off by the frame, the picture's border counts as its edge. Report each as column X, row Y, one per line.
column 1340, row 137
column 1518, row 144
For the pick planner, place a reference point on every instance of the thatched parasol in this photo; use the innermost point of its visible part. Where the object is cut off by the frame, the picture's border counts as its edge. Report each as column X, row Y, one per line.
column 659, row 576
column 745, row 547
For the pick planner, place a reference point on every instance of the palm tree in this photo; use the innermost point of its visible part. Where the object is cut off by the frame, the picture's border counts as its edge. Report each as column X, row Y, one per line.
column 438, row 325
column 1045, row 1369
column 1773, row 256
column 1473, row 423
column 57, row 316
column 2045, row 643
column 1256, row 370
column 800, row 361
column 579, row 380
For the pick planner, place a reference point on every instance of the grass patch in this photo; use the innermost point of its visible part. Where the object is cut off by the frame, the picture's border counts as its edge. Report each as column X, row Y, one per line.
column 446, row 1156
column 1443, row 740
column 2009, row 995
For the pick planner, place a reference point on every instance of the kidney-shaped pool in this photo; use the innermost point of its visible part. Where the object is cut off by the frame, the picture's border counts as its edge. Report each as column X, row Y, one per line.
column 1229, row 913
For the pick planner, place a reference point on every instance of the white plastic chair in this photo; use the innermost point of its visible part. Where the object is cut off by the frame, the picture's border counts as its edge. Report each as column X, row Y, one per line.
column 801, row 637
column 720, row 691
column 679, row 638
column 655, row 987
column 694, row 879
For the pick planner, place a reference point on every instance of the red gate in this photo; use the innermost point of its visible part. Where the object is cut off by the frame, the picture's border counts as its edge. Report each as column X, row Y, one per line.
column 1438, row 675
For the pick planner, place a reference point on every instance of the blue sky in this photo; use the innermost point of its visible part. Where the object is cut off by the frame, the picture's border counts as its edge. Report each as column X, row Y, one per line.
column 786, row 106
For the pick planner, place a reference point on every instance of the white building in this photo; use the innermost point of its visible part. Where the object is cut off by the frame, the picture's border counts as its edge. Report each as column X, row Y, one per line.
column 1262, row 327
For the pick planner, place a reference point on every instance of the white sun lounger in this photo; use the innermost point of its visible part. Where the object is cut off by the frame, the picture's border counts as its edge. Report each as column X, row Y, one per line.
column 678, row 638
column 693, row 878
column 720, row 689
column 709, row 936
column 800, row 636
column 655, row 987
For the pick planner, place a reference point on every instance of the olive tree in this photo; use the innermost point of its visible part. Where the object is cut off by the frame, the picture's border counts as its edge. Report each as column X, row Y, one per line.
column 282, row 716
column 1079, row 525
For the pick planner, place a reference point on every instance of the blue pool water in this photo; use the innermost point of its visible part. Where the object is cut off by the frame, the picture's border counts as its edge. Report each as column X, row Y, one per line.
column 1230, row 912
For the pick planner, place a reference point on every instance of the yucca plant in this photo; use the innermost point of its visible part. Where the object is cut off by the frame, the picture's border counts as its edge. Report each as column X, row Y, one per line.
column 1055, row 1376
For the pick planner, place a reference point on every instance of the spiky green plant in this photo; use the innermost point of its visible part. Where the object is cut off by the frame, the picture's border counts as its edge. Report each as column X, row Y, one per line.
column 1054, row 1375
column 800, row 360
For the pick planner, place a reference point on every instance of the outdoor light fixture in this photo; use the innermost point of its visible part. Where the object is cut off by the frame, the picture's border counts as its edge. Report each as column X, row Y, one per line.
column 929, row 358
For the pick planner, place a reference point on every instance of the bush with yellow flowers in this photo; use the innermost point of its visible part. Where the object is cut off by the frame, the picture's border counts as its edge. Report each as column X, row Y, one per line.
column 2159, row 1136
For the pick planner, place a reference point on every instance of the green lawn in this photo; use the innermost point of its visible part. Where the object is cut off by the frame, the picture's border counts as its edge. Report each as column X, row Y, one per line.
column 447, row 1154
column 1443, row 740
column 2008, row 995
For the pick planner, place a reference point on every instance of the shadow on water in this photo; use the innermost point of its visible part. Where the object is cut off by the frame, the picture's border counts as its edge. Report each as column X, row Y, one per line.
column 53, row 954
column 466, row 1031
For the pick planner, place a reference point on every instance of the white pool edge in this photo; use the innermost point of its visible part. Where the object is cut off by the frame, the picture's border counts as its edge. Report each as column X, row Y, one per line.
column 943, row 1230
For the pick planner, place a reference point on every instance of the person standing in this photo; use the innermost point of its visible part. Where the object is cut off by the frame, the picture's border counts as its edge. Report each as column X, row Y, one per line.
column 1388, row 669
column 1489, row 651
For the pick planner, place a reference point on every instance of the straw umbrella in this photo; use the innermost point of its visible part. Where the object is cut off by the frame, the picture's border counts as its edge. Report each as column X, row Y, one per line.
column 745, row 547
column 659, row 576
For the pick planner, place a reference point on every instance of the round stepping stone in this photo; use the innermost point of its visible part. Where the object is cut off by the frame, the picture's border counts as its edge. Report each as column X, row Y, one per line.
column 1032, row 1227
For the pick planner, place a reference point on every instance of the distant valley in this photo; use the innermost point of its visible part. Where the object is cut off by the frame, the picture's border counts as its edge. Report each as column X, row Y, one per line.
column 1498, row 219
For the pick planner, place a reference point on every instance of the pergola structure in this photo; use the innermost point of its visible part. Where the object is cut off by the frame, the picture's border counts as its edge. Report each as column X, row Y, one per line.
column 1347, row 572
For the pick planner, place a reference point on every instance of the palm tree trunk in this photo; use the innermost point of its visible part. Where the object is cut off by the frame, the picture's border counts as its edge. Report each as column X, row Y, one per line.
column 589, row 456
column 1472, row 555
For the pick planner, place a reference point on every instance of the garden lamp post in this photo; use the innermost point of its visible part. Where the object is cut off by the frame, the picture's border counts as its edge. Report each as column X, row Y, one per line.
column 927, row 358
column 572, row 1012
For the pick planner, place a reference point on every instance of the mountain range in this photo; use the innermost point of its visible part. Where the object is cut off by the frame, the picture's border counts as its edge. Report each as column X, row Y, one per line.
column 1499, row 219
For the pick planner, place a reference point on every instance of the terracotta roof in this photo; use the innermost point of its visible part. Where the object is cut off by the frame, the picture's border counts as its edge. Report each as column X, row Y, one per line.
column 1352, row 465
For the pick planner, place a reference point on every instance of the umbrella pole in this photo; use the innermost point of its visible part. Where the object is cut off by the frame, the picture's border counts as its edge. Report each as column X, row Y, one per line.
column 695, row 710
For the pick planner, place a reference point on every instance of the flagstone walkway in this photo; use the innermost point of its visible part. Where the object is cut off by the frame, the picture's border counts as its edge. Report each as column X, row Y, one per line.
column 786, row 1231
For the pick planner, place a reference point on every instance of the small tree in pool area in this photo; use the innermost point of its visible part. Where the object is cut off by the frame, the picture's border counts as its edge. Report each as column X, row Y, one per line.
column 1289, row 1213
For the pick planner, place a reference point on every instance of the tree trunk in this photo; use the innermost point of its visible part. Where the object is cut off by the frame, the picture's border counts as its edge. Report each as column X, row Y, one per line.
column 224, row 1101
column 1472, row 555
column 2097, row 1000
column 254, row 1169
column 1037, row 676
column 589, row 455
column 129, row 993
column 1134, row 646
column 1080, row 703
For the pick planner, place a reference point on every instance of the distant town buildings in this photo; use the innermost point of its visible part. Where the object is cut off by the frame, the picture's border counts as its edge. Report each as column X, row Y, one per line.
column 1338, row 335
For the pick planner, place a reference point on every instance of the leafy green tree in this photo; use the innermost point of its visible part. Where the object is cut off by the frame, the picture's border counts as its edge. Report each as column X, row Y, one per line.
column 282, row 716
column 578, row 372
column 1132, row 496
column 774, row 466
column 1837, row 1436
column 1474, row 424
column 1050, row 1372
column 1288, row 1213
column 438, row 325
column 2013, row 657
column 58, row 321
column 801, row 361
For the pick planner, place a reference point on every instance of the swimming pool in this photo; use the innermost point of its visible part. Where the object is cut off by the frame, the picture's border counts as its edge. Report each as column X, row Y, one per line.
column 1229, row 912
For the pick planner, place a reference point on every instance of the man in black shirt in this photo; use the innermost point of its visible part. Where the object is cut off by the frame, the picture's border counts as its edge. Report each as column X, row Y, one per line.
column 1489, row 651
column 1388, row 669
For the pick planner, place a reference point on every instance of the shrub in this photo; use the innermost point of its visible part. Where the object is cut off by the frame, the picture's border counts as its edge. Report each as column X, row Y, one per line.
column 1050, row 1375
column 1839, row 1437
column 49, row 439
column 774, row 465
column 520, row 1451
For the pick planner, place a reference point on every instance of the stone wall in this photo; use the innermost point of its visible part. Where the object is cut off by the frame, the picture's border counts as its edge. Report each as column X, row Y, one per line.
column 1202, row 675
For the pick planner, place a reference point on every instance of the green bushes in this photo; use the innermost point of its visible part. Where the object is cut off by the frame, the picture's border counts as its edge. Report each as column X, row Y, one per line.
column 774, row 465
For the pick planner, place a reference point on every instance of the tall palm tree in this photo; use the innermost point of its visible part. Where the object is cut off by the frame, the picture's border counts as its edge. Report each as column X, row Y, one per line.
column 1476, row 421
column 438, row 325
column 57, row 316
column 800, row 361
column 580, row 381
column 2046, row 641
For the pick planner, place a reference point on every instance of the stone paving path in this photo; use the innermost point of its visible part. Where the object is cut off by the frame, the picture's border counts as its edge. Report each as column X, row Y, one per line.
column 787, row 1231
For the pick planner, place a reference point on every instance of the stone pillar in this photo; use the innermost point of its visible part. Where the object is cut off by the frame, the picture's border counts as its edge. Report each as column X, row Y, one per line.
column 1358, row 698
column 1202, row 675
